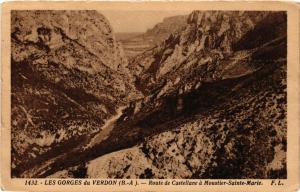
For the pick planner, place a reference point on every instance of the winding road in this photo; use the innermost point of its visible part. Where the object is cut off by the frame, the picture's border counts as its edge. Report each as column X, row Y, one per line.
column 86, row 145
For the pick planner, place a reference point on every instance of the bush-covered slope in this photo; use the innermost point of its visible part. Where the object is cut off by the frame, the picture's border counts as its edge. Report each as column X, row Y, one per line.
column 68, row 77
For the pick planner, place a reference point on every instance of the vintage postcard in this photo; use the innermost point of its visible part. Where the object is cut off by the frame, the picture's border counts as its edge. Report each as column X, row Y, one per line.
column 150, row 96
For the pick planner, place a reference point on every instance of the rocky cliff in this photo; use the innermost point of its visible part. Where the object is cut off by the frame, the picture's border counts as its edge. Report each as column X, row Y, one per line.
column 210, row 37
column 215, row 104
column 68, row 77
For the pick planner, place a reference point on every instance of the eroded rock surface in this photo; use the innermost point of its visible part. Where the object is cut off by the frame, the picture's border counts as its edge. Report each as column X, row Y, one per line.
column 68, row 77
column 214, row 45
column 217, row 93
column 244, row 137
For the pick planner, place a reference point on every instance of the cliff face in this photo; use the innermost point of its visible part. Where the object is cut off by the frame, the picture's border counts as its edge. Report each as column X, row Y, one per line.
column 205, row 47
column 68, row 77
column 215, row 104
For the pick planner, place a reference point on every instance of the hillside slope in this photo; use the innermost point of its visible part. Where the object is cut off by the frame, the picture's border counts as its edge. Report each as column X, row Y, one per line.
column 237, row 134
column 214, row 105
column 68, row 77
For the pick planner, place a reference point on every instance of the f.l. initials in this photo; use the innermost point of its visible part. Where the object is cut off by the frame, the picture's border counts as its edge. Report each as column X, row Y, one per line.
column 276, row 182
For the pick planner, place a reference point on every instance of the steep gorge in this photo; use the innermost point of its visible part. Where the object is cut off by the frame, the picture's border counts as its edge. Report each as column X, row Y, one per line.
column 214, row 106
column 214, row 94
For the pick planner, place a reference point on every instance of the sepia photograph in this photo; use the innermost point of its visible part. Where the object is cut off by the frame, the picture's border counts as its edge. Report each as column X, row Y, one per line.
column 149, row 94
column 198, row 95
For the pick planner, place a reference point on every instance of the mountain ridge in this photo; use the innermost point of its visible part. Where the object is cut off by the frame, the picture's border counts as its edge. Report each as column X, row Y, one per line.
column 136, row 43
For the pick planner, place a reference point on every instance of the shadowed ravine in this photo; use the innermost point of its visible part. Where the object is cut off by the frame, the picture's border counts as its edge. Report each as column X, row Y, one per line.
column 105, row 129
column 115, row 133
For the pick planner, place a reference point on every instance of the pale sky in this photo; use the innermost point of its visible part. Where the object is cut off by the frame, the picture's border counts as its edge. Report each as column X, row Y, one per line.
column 137, row 21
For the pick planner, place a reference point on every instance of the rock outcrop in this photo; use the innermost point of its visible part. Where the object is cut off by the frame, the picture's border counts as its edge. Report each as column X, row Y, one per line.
column 68, row 77
column 204, row 49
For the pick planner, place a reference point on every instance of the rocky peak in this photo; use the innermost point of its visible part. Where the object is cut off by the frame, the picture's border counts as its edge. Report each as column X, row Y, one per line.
column 209, row 38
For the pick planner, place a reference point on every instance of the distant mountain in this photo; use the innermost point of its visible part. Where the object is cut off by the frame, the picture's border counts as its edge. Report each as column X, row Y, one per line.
column 137, row 43
column 123, row 36
column 133, row 43
column 169, row 25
